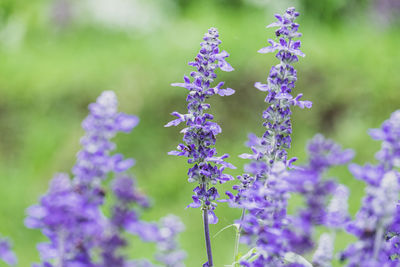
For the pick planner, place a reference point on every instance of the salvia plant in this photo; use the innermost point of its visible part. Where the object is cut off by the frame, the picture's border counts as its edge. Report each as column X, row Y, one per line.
column 88, row 215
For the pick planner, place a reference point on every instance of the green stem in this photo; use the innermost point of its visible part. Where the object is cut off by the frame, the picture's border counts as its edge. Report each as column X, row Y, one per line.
column 237, row 238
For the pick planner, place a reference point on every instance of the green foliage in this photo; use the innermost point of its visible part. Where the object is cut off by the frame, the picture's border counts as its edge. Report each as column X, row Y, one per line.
column 334, row 11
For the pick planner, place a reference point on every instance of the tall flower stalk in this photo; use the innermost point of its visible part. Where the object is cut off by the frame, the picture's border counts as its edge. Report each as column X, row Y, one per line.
column 266, row 198
column 309, row 181
column 71, row 214
column 200, row 133
column 377, row 223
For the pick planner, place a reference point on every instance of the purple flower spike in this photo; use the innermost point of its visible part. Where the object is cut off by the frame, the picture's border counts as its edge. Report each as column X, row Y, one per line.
column 169, row 253
column 6, row 254
column 309, row 181
column 377, row 244
column 200, row 133
column 272, row 146
column 264, row 190
column 70, row 213
column 102, row 124
column 388, row 156
column 377, row 223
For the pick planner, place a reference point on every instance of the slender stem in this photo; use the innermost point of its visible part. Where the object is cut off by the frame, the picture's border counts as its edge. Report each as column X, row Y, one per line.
column 207, row 237
column 237, row 238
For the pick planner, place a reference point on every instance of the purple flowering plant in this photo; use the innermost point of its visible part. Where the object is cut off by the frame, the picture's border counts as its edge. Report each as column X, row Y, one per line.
column 200, row 133
column 88, row 215
column 71, row 214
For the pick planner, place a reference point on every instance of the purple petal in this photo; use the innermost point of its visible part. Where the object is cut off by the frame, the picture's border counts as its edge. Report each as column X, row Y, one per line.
column 274, row 24
column 296, row 44
column 226, row 92
column 246, row 156
column 173, row 123
column 212, row 218
column 123, row 165
column 125, row 123
column 6, row 253
column 261, row 86
column 148, row 232
column 184, row 85
column 279, row 17
column 268, row 49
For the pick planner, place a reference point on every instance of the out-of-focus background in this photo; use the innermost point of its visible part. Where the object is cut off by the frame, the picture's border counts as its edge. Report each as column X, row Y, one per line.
column 56, row 56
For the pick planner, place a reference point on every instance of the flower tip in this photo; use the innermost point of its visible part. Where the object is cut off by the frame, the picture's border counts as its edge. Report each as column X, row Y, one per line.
column 261, row 86
column 228, row 68
column 226, row 92
column 262, row 51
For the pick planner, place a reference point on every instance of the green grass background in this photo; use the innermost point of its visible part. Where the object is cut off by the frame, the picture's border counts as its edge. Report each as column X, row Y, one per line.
column 350, row 73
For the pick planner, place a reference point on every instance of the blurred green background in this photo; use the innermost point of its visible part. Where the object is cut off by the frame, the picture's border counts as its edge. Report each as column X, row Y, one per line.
column 56, row 56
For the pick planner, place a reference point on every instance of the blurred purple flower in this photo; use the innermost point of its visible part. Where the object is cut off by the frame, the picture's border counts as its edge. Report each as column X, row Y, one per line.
column 6, row 254
column 371, row 224
column 70, row 214
column 168, row 250
column 264, row 191
column 377, row 223
column 308, row 181
column 324, row 254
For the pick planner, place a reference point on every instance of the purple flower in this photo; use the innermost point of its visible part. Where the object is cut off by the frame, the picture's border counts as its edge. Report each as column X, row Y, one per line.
column 324, row 254
column 372, row 221
column 200, row 133
column 265, row 194
column 389, row 134
column 337, row 213
column 70, row 213
column 265, row 223
column 168, row 251
column 271, row 147
column 124, row 216
column 388, row 156
column 325, row 153
column 309, row 182
column 376, row 227
column 6, row 254
column 71, row 224
column 103, row 123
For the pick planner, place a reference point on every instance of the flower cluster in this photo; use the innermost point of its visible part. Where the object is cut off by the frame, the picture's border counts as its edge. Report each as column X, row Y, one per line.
column 103, row 123
column 309, row 182
column 271, row 147
column 265, row 223
column 388, row 156
column 371, row 224
column 169, row 252
column 200, row 133
column 265, row 196
column 6, row 254
column 164, row 234
column 377, row 223
column 75, row 227
column 71, row 214
column 123, row 216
